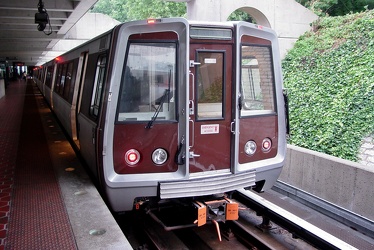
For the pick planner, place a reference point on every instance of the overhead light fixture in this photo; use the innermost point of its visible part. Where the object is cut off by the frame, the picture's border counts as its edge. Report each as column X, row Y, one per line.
column 42, row 18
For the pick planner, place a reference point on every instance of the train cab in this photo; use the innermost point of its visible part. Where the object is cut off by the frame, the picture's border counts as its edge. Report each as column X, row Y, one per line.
column 193, row 109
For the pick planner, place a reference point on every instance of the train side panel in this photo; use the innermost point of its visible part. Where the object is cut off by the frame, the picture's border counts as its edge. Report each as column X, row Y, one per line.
column 48, row 83
column 90, row 99
column 63, row 93
column 70, row 88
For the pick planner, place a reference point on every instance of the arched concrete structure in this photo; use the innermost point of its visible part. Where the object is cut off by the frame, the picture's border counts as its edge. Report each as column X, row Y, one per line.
column 288, row 18
column 257, row 15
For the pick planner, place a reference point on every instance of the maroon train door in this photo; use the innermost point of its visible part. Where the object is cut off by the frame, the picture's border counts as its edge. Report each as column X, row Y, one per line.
column 210, row 107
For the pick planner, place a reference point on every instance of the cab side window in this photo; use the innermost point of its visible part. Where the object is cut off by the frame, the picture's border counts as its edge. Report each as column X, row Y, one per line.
column 98, row 86
column 257, row 81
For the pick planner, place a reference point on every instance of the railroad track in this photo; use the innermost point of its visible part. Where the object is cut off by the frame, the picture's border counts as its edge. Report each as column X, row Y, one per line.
column 153, row 236
column 241, row 234
column 297, row 226
column 251, row 231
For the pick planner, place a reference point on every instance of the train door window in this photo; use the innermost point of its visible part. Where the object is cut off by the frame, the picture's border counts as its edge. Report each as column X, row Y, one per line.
column 58, row 78
column 43, row 74
column 148, row 82
column 63, row 79
column 81, row 76
column 68, row 80
column 2, row 70
column 257, row 81
column 209, row 85
column 48, row 81
column 98, row 85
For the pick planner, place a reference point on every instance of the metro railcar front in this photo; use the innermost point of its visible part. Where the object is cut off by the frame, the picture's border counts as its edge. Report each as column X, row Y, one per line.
column 193, row 109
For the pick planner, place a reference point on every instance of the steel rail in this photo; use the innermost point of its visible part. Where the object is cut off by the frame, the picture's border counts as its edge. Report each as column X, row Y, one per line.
column 248, row 238
column 295, row 225
column 327, row 208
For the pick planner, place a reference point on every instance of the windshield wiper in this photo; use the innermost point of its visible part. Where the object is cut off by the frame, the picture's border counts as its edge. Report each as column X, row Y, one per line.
column 162, row 101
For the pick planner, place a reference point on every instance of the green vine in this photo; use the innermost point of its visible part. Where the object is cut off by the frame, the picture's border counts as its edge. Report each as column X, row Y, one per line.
column 329, row 75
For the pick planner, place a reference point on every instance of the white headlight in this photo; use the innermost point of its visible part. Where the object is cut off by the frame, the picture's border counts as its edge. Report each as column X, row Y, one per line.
column 250, row 148
column 159, row 156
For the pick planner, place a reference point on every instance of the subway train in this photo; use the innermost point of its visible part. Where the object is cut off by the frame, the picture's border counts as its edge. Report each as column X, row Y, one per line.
column 171, row 109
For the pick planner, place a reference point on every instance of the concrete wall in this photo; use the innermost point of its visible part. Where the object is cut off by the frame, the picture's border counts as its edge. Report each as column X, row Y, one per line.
column 341, row 182
column 2, row 88
column 88, row 27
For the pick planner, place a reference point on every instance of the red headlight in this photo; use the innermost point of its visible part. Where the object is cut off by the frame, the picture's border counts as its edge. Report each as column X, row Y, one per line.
column 266, row 145
column 132, row 157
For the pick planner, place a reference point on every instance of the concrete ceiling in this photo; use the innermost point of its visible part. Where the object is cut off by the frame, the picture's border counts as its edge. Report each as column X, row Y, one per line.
column 20, row 40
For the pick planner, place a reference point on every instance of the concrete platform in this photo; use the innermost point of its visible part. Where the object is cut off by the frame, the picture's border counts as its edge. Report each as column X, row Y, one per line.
column 47, row 200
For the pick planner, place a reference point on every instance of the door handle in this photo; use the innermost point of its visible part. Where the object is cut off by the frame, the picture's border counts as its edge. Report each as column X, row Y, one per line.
column 192, row 107
column 193, row 63
column 192, row 132
column 93, row 135
column 193, row 155
column 232, row 127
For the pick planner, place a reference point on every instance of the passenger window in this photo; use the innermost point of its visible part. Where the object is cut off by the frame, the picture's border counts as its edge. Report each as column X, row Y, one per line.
column 48, row 81
column 68, row 81
column 62, row 78
column 148, row 83
column 257, row 81
column 58, row 78
column 98, row 86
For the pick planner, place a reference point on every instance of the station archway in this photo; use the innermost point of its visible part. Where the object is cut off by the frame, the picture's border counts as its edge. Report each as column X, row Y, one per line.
column 288, row 18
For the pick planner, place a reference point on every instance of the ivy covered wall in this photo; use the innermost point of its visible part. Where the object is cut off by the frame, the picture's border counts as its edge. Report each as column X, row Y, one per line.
column 329, row 75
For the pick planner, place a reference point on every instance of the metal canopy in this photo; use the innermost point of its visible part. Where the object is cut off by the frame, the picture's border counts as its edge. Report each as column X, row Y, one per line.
column 20, row 40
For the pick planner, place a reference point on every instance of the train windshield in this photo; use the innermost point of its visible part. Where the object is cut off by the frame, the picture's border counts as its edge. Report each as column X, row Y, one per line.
column 257, row 81
column 148, row 82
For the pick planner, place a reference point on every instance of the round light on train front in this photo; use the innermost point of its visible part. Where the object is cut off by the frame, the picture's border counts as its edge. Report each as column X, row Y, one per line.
column 266, row 145
column 159, row 156
column 250, row 148
column 132, row 157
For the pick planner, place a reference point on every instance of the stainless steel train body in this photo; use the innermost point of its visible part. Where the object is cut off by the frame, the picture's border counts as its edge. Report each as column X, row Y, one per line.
column 171, row 108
